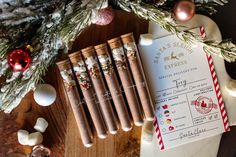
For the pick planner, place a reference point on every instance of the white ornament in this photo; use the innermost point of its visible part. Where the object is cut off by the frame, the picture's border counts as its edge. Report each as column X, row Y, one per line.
column 230, row 87
column 41, row 125
column 23, row 137
column 35, row 138
column 44, row 94
column 145, row 39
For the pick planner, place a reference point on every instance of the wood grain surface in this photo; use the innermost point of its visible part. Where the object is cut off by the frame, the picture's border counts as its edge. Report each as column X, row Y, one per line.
column 124, row 144
column 62, row 135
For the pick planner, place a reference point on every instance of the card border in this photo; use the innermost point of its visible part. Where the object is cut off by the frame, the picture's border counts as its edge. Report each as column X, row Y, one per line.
column 217, row 92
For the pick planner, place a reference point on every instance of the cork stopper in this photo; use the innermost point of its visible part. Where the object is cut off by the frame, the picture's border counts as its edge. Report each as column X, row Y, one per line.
column 101, row 49
column 127, row 38
column 75, row 57
column 88, row 51
column 64, row 65
column 114, row 43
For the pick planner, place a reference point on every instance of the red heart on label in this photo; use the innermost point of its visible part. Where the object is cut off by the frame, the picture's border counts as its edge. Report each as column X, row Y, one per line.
column 171, row 128
column 203, row 104
column 165, row 106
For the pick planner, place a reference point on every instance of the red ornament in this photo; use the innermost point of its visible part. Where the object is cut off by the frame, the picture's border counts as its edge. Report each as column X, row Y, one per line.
column 19, row 59
column 104, row 16
column 184, row 10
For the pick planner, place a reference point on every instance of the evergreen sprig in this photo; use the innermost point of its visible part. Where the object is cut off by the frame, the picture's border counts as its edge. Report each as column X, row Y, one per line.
column 225, row 48
column 57, row 29
column 50, row 25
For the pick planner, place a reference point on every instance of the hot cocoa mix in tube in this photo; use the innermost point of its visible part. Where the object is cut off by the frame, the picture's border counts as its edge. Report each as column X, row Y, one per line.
column 100, row 89
column 113, row 85
column 79, row 68
column 131, row 52
column 122, row 67
column 74, row 98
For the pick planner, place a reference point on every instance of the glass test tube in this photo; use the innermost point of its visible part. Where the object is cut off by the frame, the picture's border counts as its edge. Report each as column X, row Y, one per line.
column 100, row 89
column 123, row 70
column 79, row 68
column 75, row 102
column 113, row 85
column 131, row 52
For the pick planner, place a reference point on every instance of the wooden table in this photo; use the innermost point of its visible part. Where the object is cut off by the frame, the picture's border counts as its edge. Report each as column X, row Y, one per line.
column 62, row 135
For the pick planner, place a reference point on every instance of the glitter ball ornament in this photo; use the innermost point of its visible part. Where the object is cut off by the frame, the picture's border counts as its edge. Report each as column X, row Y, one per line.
column 19, row 59
column 103, row 17
column 40, row 151
column 184, row 10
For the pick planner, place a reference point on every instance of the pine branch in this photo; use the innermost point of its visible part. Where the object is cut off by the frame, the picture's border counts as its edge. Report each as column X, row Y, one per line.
column 202, row 6
column 217, row 2
column 46, row 42
column 60, row 22
column 225, row 49
column 56, row 29
column 208, row 6
column 73, row 25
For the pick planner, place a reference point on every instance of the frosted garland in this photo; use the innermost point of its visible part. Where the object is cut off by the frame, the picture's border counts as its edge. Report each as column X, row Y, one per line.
column 47, row 40
column 59, row 23
column 220, row 2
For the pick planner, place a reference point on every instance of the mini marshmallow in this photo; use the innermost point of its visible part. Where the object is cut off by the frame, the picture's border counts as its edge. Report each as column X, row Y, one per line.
column 41, row 125
column 145, row 39
column 23, row 137
column 35, row 139
column 147, row 134
column 230, row 87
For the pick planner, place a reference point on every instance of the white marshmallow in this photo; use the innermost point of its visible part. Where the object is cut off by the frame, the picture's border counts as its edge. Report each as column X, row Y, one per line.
column 147, row 133
column 230, row 87
column 35, row 138
column 41, row 125
column 23, row 137
column 145, row 39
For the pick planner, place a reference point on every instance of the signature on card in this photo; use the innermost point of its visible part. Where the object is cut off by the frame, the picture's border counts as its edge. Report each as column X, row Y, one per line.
column 191, row 133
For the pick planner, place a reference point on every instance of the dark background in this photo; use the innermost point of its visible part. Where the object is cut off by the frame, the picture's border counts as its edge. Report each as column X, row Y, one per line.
column 226, row 20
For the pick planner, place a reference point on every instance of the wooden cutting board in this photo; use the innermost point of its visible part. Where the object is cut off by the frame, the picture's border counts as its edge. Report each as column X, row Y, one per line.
column 62, row 135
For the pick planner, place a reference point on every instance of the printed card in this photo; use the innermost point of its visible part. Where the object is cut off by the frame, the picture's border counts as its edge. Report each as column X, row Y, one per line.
column 183, row 82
